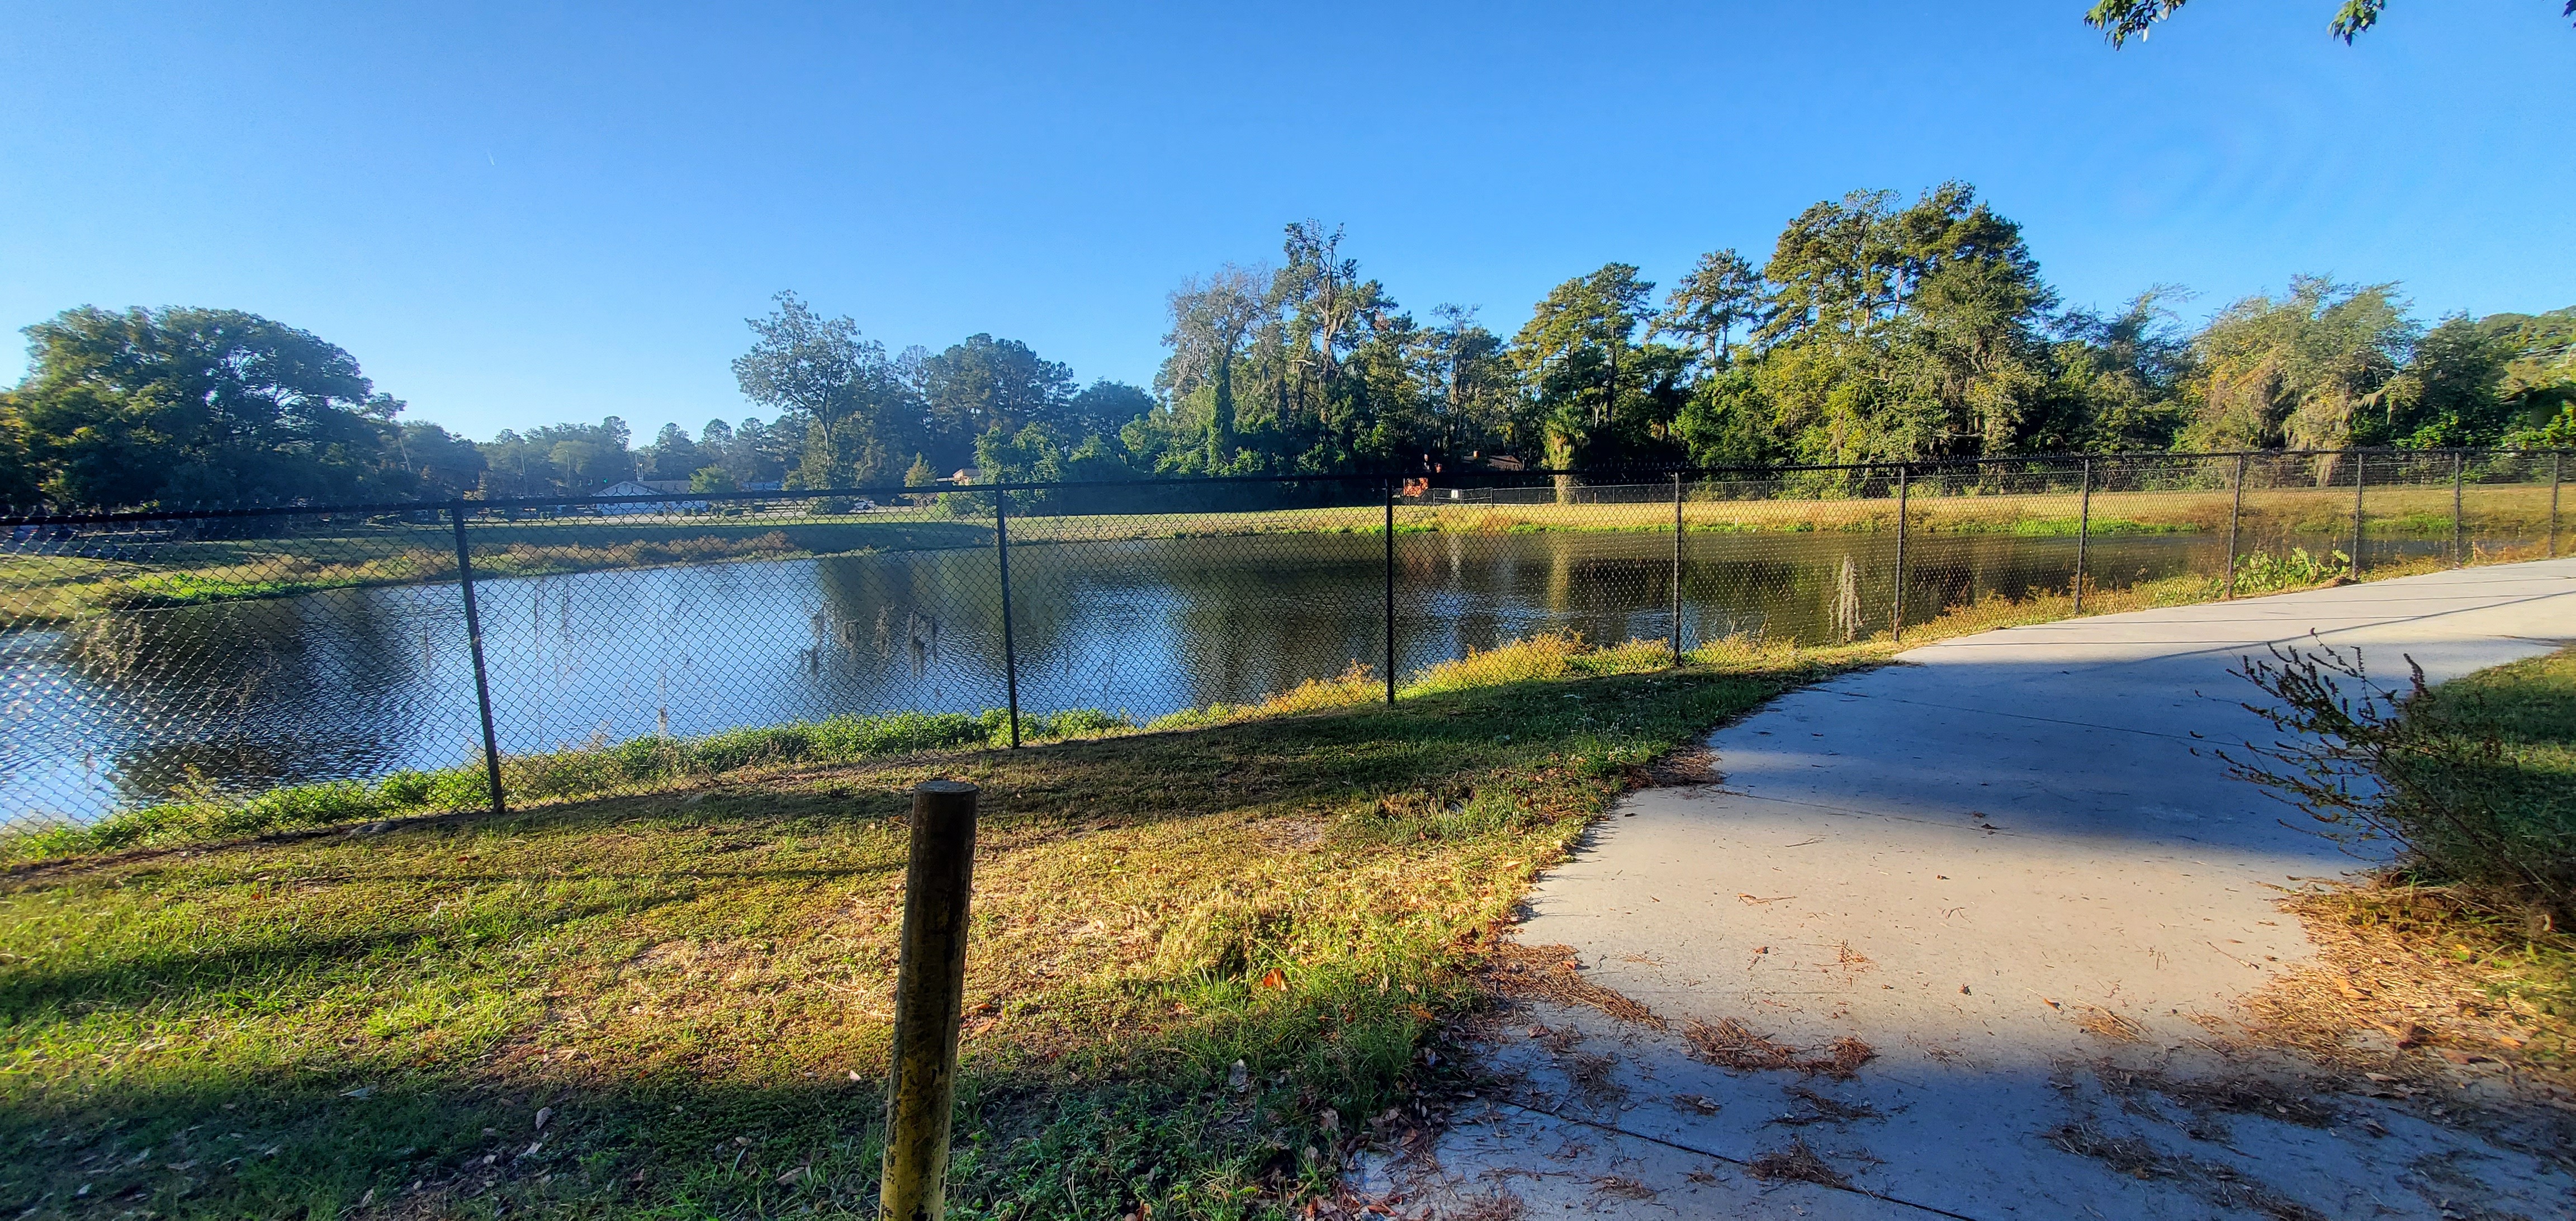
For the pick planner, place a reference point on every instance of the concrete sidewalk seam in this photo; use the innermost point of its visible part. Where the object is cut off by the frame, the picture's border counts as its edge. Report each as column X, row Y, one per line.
column 1597, row 1125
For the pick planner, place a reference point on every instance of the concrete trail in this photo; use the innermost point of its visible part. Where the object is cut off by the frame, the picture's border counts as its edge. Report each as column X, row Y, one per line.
column 2013, row 866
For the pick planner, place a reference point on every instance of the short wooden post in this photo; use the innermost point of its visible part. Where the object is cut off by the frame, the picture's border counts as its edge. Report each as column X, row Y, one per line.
column 929, row 990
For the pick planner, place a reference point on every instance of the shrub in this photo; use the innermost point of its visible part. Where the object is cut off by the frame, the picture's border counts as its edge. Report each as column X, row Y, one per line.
column 2430, row 774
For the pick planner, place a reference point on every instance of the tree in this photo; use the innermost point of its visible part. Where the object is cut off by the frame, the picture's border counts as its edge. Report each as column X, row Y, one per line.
column 1105, row 406
column 1210, row 319
column 1721, row 294
column 1901, row 332
column 987, row 384
column 673, row 455
column 1596, row 389
column 2117, row 379
column 2294, row 371
column 443, row 463
column 197, row 406
column 839, row 385
column 2119, row 20
column 2449, row 393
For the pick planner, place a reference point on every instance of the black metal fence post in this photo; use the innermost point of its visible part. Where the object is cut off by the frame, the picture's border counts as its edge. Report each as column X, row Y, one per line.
column 1676, row 641
column 2235, row 514
column 2556, row 462
column 474, row 646
column 2358, row 461
column 1390, row 593
column 1010, row 654
column 1896, row 616
column 2083, row 529
column 2459, row 528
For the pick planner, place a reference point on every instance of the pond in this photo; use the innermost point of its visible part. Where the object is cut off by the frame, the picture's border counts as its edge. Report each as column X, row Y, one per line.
column 235, row 697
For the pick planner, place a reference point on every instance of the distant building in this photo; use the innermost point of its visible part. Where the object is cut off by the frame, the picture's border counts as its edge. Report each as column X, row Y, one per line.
column 649, row 487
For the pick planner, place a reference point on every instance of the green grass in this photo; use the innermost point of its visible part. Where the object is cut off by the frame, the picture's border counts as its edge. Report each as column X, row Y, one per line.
column 693, row 984
column 586, row 771
column 2476, row 940
column 2514, row 766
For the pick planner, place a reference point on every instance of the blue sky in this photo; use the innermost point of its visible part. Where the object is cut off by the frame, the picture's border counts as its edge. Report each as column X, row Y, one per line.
column 520, row 214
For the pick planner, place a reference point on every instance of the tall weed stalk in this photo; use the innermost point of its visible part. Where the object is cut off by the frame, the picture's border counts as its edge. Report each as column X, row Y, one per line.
column 2400, row 766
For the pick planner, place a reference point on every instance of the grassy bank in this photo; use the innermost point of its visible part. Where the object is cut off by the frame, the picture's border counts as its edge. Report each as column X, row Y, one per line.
column 676, row 1004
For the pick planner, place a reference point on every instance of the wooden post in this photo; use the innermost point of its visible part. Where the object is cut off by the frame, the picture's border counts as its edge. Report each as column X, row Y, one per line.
column 2358, row 460
column 929, row 990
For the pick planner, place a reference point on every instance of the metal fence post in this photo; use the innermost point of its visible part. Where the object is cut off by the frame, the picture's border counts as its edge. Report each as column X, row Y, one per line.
column 2357, row 464
column 474, row 646
column 929, row 991
column 2556, row 461
column 2083, row 529
column 2235, row 514
column 2459, row 535
column 1896, row 615
column 1010, row 654
column 1676, row 642
column 1390, row 593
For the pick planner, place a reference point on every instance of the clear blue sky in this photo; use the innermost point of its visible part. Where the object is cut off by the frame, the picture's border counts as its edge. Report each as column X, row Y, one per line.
column 519, row 214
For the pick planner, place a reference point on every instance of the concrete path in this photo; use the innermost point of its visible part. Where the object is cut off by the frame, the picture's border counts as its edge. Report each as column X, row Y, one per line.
column 2013, row 868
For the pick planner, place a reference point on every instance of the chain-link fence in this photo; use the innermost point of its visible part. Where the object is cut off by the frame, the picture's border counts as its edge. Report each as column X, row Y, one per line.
column 430, row 656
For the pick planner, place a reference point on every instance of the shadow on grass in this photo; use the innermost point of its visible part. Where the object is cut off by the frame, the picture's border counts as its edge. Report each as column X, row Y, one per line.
column 686, row 983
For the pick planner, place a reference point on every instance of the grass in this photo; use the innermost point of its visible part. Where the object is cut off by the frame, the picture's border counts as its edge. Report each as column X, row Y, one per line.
column 595, row 770
column 661, row 990
column 691, row 987
column 2444, row 950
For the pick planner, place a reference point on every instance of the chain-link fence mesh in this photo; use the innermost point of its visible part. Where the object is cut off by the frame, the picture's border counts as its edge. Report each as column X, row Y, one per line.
column 155, row 661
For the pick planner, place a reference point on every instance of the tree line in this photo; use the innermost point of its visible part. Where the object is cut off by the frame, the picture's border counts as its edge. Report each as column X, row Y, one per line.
column 1876, row 329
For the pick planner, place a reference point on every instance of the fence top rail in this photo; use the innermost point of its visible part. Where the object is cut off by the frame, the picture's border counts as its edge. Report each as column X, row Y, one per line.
column 379, row 508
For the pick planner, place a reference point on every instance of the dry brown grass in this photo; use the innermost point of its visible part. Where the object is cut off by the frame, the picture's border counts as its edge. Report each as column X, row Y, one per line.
column 2421, row 978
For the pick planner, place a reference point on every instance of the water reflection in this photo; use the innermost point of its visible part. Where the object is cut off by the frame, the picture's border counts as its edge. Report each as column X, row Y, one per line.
column 240, row 696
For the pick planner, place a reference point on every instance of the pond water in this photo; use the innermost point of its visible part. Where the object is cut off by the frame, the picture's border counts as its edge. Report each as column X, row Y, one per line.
column 239, row 696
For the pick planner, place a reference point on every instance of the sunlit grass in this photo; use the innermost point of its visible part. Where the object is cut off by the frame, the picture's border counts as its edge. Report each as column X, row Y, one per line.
column 695, row 982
